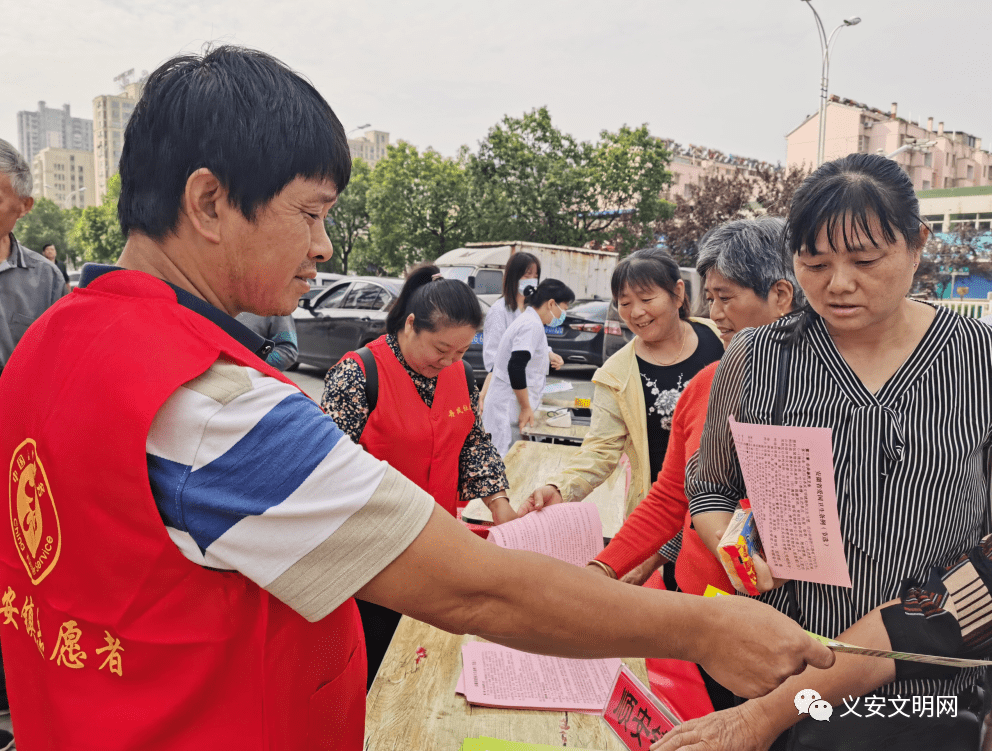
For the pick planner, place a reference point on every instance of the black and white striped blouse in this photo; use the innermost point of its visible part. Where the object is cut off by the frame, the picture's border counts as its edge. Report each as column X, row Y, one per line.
column 910, row 460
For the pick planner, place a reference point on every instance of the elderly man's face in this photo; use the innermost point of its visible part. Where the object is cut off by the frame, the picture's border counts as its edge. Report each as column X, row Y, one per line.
column 12, row 206
column 271, row 259
column 49, row 253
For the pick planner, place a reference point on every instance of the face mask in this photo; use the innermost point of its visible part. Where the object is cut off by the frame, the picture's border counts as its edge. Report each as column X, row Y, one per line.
column 560, row 319
column 524, row 284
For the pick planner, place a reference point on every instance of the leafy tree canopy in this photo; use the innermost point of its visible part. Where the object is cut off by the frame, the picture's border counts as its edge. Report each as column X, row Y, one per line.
column 540, row 184
column 96, row 232
column 419, row 205
column 348, row 222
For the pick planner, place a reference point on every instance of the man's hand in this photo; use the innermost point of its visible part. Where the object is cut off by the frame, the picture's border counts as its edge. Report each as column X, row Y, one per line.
column 546, row 495
column 738, row 729
column 642, row 573
column 751, row 648
column 556, row 361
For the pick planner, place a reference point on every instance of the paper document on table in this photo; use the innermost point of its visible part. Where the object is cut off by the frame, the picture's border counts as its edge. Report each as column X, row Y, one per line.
column 951, row 662
column 556, row 387
column 789, row 474
column 571, row 532
column 497, row 676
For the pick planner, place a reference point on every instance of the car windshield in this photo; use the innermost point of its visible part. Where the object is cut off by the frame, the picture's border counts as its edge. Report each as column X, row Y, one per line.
column 461, row 273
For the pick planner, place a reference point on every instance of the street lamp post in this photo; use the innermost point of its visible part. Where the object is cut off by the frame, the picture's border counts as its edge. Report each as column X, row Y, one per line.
column 825, row 42
column 65, row 201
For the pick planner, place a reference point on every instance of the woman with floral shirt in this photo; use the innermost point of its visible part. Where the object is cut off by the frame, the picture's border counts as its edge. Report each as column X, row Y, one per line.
column 425, row 421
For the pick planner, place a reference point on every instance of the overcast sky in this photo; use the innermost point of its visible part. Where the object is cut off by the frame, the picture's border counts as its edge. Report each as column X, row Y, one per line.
column 736, row 75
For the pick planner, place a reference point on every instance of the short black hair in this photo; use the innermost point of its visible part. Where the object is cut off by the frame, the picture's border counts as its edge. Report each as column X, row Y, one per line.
column 861, row 187
column 242, row 114
column 46, row 245
column 646, row 268
column 435, row 303
column 549, row 289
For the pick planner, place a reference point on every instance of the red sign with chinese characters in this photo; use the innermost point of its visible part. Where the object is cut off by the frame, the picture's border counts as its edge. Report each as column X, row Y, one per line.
column 636, row 715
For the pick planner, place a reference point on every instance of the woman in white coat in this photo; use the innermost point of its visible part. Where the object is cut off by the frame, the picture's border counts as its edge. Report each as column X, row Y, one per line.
column 522, row 272
column 520, row 368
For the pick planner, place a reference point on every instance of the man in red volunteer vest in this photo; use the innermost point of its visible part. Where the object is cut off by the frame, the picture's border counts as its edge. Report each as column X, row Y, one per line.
column 187, row 530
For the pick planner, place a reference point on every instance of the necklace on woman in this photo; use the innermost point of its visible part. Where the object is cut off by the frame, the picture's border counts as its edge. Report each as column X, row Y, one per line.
column 685, row 335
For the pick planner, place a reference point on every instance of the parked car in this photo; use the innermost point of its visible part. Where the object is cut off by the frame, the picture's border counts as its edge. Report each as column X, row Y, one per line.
column 474, row 354
column 578, row 340
column 347, row 315
column 74, row 279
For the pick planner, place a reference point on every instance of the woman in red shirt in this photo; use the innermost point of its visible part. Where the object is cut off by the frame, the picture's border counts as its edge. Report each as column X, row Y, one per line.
column 749, row 281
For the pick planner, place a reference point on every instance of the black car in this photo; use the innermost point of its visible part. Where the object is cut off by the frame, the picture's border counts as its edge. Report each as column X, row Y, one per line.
column 578, row 340
column 474, row 354
column 347, row 315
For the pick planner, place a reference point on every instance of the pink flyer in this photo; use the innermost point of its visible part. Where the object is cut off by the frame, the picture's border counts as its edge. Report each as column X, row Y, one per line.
column 497, row 676
column 789, row 475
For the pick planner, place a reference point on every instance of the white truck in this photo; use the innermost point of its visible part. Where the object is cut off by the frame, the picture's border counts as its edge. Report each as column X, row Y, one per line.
column 587, row 272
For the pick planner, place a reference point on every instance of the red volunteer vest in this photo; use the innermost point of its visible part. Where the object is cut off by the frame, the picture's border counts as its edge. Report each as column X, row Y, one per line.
column 111, row 638
column 423, row 443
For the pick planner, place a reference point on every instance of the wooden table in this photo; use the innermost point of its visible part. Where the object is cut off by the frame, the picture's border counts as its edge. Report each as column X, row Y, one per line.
column 529, row 465
column 412, row 704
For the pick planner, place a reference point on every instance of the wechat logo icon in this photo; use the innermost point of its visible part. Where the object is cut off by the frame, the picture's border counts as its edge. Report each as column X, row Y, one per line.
column 809, row 701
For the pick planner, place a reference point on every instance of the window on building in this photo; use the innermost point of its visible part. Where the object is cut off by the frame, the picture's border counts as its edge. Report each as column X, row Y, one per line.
column 926, row 185
column 971, row 172
column 947, row 182
column 928, row 159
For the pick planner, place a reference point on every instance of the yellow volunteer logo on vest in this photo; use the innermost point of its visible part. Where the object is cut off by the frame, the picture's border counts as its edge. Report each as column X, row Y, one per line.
column 33, row 517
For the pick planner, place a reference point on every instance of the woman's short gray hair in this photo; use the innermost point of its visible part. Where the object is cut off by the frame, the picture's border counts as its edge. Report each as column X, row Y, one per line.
column 15, row 167
column 751, row 253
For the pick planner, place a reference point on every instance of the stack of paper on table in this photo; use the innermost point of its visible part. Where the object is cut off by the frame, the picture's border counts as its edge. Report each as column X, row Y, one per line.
column 493, row 744
column 497, row 676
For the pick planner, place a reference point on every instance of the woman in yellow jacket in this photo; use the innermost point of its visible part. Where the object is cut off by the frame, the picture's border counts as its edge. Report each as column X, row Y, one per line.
column 636, row 389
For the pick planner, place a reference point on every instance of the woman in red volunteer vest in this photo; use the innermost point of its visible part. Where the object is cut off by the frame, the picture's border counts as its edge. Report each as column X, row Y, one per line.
column 425, row 421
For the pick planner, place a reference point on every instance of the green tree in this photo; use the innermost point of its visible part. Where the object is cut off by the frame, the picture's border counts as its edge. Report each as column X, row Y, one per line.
column 47, row 223
column 542, row 185
column 716, row 199
column 419, row 205
column 348, row 222
column 97, row 233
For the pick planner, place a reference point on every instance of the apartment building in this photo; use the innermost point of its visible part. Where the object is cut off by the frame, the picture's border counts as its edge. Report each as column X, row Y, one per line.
column 689, row 164
column 110, row 115
column 938, row 158
column 55, row 128
column 65, row 176
column 370, row 146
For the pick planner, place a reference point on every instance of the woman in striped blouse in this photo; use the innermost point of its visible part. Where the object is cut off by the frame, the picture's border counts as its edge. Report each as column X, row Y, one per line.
column 906, row 388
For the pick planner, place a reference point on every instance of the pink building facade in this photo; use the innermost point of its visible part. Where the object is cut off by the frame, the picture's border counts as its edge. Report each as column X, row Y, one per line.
column 689, row 164
column 955, row 160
